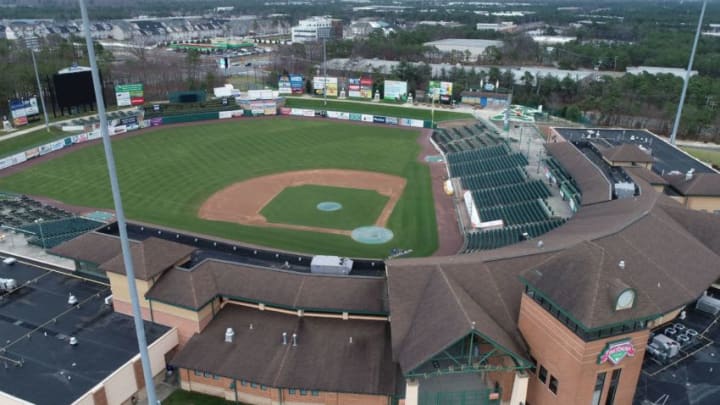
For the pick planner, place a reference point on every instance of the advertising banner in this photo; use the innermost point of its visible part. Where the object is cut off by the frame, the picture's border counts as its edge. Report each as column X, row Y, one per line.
column 44, row 149
column 129, row 94
column 344, row 116
column 354, row 87
column 405, row 122
column 296, row 84
column 319, row 82
column 12, row 160
column 154, row 122
column 23, row 111
column 297, row 111
column 441, row 90
column 82, row 138
column 391, row 120
column 285, row 111
column 308, row 113
column 355, row 117
column 333, row 114
column 417, row 123
column 224, row 115
column 395, row 90
column 366, row 86
column 366, row 118
column 57, row 145
column 378, row 119
column 284, row 86
column 31, row 153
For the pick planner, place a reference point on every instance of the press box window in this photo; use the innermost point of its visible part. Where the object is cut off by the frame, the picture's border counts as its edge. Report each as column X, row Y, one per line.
column 553, row 384
column 542, row 374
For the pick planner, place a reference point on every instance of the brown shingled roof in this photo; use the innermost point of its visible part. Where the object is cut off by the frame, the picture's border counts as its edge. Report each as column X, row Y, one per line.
column 594, row 186
column 150, row 257
column 287, row 289
column 324, row 359
column 701, row 184
column 434, row 306
column 627, row 152
column 646, row 174
column 89, row 247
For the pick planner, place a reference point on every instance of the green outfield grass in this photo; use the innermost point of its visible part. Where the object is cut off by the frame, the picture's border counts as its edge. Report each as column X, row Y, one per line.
column 24, row 142
column 298, row 206
column 711, row 156
column 166, row 174
column 375, row 109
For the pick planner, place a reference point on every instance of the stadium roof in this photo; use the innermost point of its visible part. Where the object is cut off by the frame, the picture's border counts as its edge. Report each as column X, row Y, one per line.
column 645, row 174
column 286, row 289
column 150, row 257
column 699, row 184
column 594, row 186
column 53, row 371
column 626, row 153
column 324, row 359
column 671, row 257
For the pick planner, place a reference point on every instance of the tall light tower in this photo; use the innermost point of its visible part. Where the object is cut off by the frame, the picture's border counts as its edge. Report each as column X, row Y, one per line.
column 32, row 43
column 119, row 213
column 324, row 34
column 687, row 74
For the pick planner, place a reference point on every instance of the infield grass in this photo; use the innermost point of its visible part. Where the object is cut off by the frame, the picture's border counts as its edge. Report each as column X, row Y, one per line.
column 298, row 206
column 167, row 173
column 375, row 109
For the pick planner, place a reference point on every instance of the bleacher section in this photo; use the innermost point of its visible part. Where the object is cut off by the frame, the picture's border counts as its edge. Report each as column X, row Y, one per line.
column 110, row 116
column 517, row 214
column 494, row 179
column 487, row 170
column 510, row 194
column 466, row 138
column 496, row 238
column 49, row 234
column 20, row 210
column 503, row 162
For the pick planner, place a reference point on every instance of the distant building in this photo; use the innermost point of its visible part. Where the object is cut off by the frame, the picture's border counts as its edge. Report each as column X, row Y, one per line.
column 658, row 70
column 713, row 31
column 504, row 26
column 552, row 39
column 441, row 23
column 476, row 47
column 309, row 29
column 363, row 28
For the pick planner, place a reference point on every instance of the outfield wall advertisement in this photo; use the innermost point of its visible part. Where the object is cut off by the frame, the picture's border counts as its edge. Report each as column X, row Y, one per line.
column 331, row 83
column 23, row 111
column 395, row 90
column 442, row 90
column 284, row 86
column 296, row 84
column 129, row 94
column 360, row 87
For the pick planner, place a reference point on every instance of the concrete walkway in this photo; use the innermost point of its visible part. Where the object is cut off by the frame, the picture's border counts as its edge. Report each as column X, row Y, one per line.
column 15, row 244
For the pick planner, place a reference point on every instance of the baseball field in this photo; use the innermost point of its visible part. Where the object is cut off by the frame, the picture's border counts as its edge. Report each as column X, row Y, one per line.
column 258, row 181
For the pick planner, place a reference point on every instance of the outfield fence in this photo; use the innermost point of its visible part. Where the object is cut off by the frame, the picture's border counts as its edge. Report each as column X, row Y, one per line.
column 127, row 124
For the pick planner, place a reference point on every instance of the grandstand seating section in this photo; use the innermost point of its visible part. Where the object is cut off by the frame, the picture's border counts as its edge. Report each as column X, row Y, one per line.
column 110, row 116
column 58, row 225
column 485, row 165
column 172, row 109
column 58, row 231
column 496, row 238
column 469, row 137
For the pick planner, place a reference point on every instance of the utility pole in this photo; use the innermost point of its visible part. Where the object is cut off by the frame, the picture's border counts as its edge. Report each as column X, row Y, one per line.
column 40, row 90
column 119, row 213
column 687, row 75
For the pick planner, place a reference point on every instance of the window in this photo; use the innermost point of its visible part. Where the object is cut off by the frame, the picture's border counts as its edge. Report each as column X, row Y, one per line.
column 315, row 393
column 292, row 391
column 243, row 383
column 533, row 369
column 198, row 373
column 207, row 375
column 614, row 380
column 599, row 384
column 216, row 377
column 253, row 385
column 553, row 384
column 303, row 391
column 263, row 387
column 542, row 375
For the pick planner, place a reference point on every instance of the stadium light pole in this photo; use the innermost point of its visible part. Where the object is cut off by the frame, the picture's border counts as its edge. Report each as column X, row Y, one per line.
column 119, row 213
column 40, row 90
column 687, row 74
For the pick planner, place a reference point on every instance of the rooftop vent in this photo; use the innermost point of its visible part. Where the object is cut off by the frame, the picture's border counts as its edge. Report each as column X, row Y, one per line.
column 621, row 264
column 72, row 300
column 350, row 341
column 73, row 341
column 540, row 244
column 284, row 335
column 229, row 333
column 689, row 174
column 294, row 339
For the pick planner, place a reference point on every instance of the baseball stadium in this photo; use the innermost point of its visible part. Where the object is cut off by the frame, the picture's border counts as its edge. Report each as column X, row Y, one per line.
column 376, row 254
